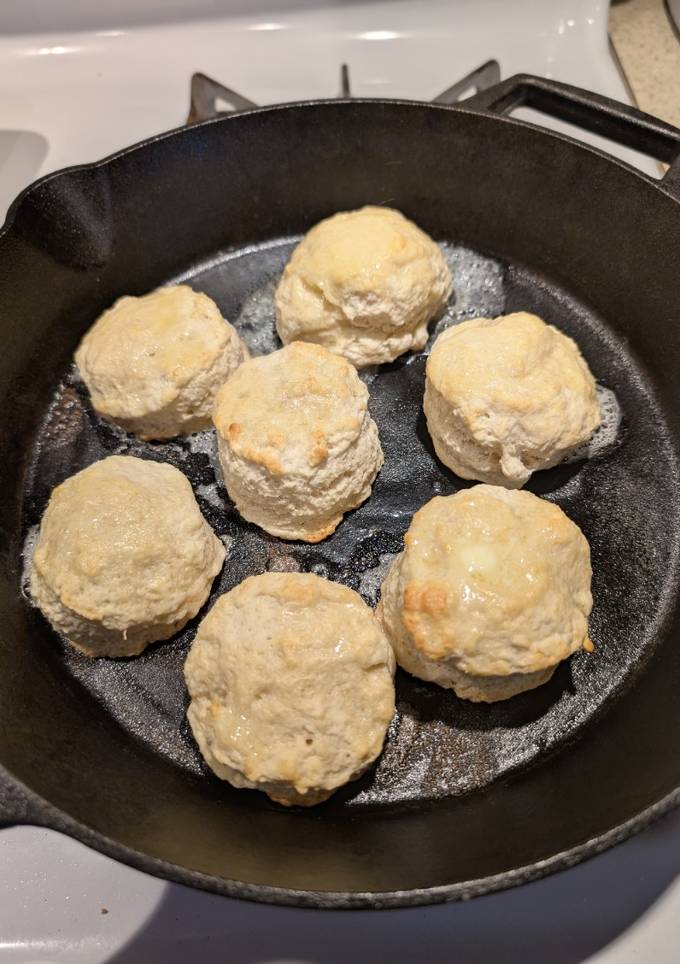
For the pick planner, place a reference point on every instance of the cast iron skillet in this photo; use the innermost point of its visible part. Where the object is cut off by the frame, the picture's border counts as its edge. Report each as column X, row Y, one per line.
column 466, row 799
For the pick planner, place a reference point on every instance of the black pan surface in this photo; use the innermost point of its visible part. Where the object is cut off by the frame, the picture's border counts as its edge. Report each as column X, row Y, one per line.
column 465, row 798
column 438, row 745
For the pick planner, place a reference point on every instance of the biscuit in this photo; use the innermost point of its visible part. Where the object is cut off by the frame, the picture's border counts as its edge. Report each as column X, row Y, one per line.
column 291, row 685
column 124, row 557
column 153, row 364
column 365, row 284
column 507, row 396
column 296, row 443
column 491, row 592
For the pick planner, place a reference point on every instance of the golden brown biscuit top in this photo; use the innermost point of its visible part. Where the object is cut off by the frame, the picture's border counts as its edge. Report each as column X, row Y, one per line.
column 512, row 363
column 164, row 338
column 289, row 410
column 290, row 677
column 125, row 536
column 355, row 252
column 293, row 590
column 498, row 579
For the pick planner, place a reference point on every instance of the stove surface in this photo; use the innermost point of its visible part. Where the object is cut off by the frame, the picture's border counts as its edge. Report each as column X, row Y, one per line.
column 63, row 904
column 81, row 81
column 74, row 95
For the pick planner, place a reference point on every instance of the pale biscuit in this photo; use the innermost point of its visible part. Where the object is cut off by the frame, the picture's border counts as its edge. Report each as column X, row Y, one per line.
column 290, row 678
column 296, row 443
column 507, row 396
column 491, row 592
column 365, row 284
column 124, row 557
column 153, row 364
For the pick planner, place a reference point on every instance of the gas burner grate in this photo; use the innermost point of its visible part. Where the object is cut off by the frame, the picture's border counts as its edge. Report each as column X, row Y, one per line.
column 211, row 99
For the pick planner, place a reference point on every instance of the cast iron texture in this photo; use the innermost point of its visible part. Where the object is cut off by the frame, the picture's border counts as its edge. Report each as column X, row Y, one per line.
column 579, row 237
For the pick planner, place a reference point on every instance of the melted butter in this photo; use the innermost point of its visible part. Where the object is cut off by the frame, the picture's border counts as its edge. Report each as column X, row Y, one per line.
column 477, row 558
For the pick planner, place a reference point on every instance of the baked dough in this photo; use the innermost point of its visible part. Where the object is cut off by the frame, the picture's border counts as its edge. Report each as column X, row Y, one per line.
column 491, row 592
column 290, row 678
column 297, row 445
column 364, row 284
column 153, row 364
column 123, row 557
column 507, row 396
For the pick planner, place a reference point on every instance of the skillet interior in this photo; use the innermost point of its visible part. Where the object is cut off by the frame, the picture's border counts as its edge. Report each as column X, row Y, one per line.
column 455, row 797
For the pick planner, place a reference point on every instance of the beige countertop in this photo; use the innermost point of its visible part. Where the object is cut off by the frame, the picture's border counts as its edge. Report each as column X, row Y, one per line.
column 648, row 51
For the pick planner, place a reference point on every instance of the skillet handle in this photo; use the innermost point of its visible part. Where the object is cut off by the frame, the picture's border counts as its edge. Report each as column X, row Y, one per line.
column 625, row 125
column 17, row 804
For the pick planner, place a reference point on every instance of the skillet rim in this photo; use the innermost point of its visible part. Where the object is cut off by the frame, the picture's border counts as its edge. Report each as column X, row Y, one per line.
column 40, row 813
column 103, row 162
column 20, row 805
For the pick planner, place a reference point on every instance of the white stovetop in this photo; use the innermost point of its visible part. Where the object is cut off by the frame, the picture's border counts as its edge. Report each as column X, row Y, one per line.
column 72, row 96
column 81, row 80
